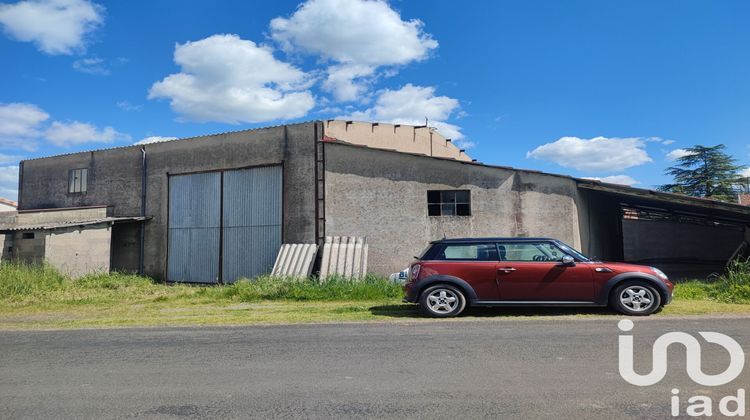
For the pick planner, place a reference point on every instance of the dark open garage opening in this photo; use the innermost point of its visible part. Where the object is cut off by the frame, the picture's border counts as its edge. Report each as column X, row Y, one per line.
column 684, row 237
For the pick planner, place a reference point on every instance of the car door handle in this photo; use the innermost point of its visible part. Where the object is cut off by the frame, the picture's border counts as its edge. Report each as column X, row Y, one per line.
column 506, row 270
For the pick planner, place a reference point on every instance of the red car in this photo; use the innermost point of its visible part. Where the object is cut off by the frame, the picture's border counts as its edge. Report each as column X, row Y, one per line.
column 452, row 274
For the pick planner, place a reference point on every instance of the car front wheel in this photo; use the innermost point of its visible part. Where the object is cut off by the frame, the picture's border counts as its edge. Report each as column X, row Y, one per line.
column 442, row 301
column 636, row 298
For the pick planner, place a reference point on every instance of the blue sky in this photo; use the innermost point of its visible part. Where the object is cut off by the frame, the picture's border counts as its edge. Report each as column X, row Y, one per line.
column 602, row 89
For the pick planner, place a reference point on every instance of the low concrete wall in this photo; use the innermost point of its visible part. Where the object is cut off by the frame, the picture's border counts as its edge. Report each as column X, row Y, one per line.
column 60, row 216
column 383, row 196
column 403, row 138
column 78, row 251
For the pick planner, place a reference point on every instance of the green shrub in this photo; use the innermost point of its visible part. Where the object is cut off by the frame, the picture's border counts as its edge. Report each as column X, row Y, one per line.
column 734, row 285
column 730, row 287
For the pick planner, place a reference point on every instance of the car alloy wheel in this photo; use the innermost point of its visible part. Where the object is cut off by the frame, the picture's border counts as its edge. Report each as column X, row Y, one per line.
column 442, row 301
column 636, row 298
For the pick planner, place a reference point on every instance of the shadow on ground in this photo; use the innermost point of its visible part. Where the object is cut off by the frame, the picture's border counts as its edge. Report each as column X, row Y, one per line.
column 411, row 311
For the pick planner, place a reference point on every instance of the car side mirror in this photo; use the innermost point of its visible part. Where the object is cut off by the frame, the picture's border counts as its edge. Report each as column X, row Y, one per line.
column 568, row 260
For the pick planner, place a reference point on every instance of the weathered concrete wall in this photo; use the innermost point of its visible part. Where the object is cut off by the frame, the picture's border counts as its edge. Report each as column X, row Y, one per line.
column 383, row 196
column 6, row 241
column 115, row 178
column 78, row 251
column 60, row 216
column 29, row 250
column 5, row 207
column 403, row 138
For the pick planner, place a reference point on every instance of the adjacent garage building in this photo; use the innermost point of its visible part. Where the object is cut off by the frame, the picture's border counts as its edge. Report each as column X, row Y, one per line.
column 217, row 208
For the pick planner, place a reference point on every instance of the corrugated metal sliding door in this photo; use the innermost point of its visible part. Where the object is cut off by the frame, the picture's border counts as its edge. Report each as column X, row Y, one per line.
column 252, row 221
column 194, row 227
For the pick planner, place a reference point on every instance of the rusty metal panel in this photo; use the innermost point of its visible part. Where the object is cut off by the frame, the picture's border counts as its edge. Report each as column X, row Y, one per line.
column 295, row 260
column 194, row 223
column 252, row 221
column 344, row 256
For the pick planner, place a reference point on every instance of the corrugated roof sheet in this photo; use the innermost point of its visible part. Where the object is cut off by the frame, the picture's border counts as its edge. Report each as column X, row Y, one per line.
column 49, row 226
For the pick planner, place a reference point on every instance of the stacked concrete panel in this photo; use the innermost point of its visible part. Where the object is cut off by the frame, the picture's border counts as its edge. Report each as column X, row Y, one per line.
column 295, row 260
column 344, row 256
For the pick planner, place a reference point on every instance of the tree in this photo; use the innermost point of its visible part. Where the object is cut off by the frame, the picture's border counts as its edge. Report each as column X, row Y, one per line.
column 705, row 172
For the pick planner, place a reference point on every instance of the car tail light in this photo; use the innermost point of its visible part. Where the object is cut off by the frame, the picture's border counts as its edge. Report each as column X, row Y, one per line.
column 415, row 272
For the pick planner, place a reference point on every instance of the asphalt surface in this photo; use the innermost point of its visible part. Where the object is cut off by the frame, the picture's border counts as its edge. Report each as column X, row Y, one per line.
column 455, row 369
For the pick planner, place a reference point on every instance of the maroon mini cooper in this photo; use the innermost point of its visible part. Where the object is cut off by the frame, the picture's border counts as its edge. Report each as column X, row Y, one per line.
column 453, row 274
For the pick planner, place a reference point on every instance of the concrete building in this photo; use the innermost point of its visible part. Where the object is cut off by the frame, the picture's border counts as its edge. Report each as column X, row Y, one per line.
column 217, row 208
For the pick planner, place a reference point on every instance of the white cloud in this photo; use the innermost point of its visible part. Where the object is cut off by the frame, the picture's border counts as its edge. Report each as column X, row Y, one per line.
column 667, row 142
column 410, row 105
column 154, row 139
column 5, row 159
column 73, row 133
column 341, row 81
column 127, row 106
column 357, row 35
column 91, row 65
column 745, row 173
column 9, row 182
column 676, row 154
column 615, row 179
column 231, row 80
column 55, row 26
column 20, row 125
column 596, row 154
column 464, row 144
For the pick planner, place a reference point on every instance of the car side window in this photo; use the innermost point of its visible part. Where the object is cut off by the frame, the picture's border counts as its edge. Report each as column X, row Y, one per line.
column 530, row 252
column 468, row 252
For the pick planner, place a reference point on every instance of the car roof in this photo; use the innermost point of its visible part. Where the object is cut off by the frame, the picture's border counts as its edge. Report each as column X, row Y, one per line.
column 494, row 239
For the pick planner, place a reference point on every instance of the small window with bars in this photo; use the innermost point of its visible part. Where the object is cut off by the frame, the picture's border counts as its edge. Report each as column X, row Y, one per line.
column 449, row 203
column 77, row 180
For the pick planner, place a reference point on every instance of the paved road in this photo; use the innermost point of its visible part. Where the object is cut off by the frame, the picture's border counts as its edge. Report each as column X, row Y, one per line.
column 455, row 369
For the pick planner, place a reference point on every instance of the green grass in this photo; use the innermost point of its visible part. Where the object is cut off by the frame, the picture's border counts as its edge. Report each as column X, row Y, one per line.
column 24, row 284
column 731, row 287
column 40, row 297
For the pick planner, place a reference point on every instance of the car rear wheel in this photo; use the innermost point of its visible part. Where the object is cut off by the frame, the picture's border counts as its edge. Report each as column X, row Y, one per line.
column 442, row 301
column 636, row 298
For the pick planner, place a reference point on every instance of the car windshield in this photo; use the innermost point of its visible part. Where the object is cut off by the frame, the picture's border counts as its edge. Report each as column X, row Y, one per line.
column 572, row 252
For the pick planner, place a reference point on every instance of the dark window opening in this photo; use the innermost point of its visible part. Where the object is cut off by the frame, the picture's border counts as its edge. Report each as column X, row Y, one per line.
column 449, row 203
column 27, row 235
column 77, row 180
